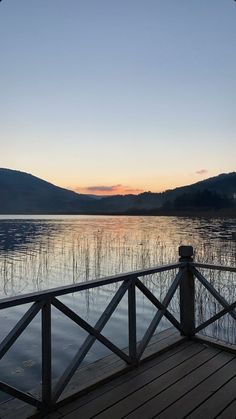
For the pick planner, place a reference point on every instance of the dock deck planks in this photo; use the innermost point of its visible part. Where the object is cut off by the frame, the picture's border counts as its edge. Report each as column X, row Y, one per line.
column 190, row 380
column 178, row 379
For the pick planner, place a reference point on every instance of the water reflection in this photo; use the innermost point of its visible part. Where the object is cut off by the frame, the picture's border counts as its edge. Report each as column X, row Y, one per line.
column 36, row 254
column 21, row 235
column 48, row 252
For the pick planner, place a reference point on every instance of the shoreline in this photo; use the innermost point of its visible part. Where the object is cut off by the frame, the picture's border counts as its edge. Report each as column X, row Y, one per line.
column 231, row 213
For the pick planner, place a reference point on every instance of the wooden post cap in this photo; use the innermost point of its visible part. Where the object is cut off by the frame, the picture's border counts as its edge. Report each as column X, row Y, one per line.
column 186, row 251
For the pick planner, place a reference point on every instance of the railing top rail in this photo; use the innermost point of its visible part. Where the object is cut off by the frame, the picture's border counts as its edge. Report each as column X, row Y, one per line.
column 81, row 286
column 215, row 267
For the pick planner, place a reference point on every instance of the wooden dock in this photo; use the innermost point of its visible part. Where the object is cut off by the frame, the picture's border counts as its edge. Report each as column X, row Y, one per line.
column 191, row 380
column 176, row 373
column 178, row 378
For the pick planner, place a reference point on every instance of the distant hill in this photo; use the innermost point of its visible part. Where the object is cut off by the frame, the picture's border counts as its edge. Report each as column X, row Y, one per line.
column 22, row 193
column 223, row 185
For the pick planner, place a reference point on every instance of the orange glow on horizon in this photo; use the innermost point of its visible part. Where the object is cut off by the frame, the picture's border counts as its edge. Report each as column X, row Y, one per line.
column 155, row 185
column 108, row 190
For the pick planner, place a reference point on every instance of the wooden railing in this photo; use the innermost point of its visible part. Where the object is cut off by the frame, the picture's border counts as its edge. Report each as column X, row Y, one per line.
column 43, row 301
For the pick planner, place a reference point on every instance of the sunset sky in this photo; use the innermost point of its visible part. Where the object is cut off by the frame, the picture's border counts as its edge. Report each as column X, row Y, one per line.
column 118, row 96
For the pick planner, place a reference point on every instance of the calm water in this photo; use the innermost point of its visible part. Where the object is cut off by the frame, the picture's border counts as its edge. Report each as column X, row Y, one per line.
column 37, row 253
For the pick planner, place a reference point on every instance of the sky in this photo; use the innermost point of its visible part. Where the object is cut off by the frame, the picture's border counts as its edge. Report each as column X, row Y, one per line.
column 118, row 96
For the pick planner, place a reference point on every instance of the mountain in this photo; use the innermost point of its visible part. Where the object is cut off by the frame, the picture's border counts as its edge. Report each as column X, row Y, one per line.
column 223, row 186
column 22, row 193
column 217, row 193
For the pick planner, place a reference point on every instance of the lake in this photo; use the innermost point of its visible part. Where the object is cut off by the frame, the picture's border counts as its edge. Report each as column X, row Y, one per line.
column 40, row 252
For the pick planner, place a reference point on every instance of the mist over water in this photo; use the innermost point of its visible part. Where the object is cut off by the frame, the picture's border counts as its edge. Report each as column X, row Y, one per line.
column 42, row 252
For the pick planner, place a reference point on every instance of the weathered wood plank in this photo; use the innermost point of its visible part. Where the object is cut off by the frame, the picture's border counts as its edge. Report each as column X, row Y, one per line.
column 165, row 400
column 145, row 366
column 194, row 398
column 137, row 404
column 138, row 389
column 159, row 405
column 218, row 401
column 17, row 411
column 216, row 343
column 109, row 367
column 91, row 376
column 229, row 412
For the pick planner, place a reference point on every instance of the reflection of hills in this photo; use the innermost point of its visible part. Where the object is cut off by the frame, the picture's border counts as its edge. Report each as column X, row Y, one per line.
column 16, row 235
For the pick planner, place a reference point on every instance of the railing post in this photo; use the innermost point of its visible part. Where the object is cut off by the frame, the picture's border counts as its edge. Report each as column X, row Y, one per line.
column 187, row 293
column 46, row 355
column 132, row 323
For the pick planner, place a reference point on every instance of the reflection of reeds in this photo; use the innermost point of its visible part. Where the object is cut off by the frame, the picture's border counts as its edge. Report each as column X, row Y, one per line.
column 75, row 255
column 79, row 253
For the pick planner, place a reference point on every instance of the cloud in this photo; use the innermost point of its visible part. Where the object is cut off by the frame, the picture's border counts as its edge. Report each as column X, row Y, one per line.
column 118, row 189
column 201, row 172
column 103, row 188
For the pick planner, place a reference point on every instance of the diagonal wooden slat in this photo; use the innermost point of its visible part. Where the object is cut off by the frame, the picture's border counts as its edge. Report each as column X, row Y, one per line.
column 158, row 305
column 215, row 317
column 89, row 341
column 25, row 397
column 156, row 320
column 213, row 291
column 19, row 328
column 91, row 330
